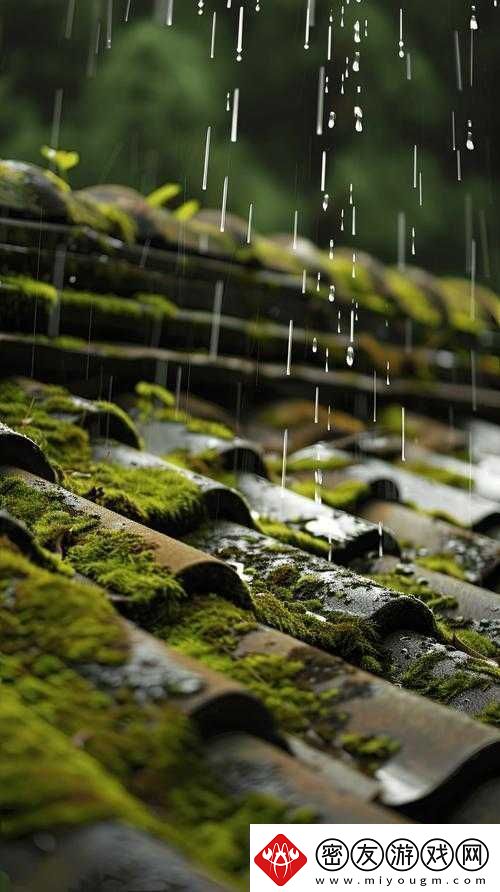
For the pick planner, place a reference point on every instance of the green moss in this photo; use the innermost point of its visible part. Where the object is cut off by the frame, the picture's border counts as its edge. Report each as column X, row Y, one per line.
column 210, row 629
column 490, row 715
column 412, row 300
column 141, row 307
column 346, row 636
column 370, row 750
column 63, row 442
column 162, row 499
column 440, row 475
column 442, row 563
column 408, row 585
column 120, row 562
column 287, row 534
column 46, row 782
column 113, row 558
column 70, row 620
column 472, row 640
column 295, row 465
column 420, row 677
column 345, row 495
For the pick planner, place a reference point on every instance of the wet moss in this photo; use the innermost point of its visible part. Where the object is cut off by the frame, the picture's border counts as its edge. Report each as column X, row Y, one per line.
column 156, row 403
column 420, row 677
column 371, row 751
column 295, row 465
column 63, row 442
column 412, row 300
column 165, row 500
column 46, row 782
column 140, row 307
column 439, row 475
column 290, row 536
column 113, row 558
column 408, row 585
column 351, row 638
column 77, row 750
column 473, row 641
column 490, row 715
column 345, row 495
column 442, row 563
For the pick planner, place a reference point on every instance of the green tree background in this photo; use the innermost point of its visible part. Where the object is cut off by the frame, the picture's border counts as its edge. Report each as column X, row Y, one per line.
column 138, row 111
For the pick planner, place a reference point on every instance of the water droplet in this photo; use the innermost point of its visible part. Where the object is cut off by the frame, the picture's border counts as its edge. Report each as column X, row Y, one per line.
column 330, row 253
column 315, row 345
column 358, row 117
column 357, row 32
column 473, row 20
column 331, row 293
column 350, row 355
column 469, row 141
column 326, row 199
column 331, row 120
column 318, row 280
column 387, row 380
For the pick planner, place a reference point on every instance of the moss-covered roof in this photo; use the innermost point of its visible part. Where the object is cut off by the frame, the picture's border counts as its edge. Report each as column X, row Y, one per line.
column 186, row 567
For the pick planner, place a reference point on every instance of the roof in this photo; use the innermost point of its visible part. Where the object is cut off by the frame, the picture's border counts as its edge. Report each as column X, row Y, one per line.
column 228, row 595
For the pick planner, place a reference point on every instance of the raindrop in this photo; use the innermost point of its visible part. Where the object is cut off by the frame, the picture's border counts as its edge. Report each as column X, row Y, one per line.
column 387, row 379
column 326, row 199
column 413, row 241
column 338, row 323
column 318, row 281
column 239, row 45
column 357, row 32
column 470, row 142
column 400, row 41
column 358, row 117
column 201, row 6
column 473, row 20
column 330, row 253
column 355, row 63
column 350, row 355
column 315, row 345
column 342, row 220
column 331, row 120
column 331, row 293
column 228, row 101
column 326, row 360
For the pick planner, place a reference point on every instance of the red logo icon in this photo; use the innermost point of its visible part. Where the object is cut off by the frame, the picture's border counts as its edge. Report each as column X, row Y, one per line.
column 280, row 859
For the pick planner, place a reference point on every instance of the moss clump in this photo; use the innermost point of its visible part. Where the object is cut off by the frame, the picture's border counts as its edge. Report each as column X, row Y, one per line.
column 106, row 306
column 63, row 442
column 412, row 300
column 152, row 398
column 420, row 677
column 162, row 499
column 439, row 475
column 210, row 629
column 120, row 562
column 408, row 585
column 490, row 715
column 372, row 751
column 346, row 495
column 442, row 563
column 333, row 463
column 287, row 534
column 348, row 637
column 155, row 402
column 46, row 782
column 472, row 640
column 113, row 558
column 71, row 620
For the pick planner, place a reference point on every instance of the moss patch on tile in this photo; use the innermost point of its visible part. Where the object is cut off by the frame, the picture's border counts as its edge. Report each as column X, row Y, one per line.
column 345, row 495
column 420, row 677
column 436, row 473
column 113, row 558
column 442, row 563
column 162, row 499
column 372, row 751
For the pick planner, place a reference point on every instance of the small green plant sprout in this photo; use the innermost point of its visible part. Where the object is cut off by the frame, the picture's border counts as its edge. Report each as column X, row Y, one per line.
column 62, row 160
column 163, row 195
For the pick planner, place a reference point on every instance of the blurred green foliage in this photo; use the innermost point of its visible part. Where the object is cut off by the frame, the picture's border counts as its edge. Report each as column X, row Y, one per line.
column 137, row 112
